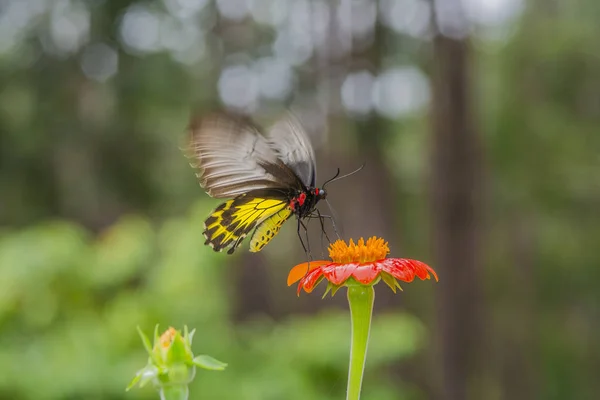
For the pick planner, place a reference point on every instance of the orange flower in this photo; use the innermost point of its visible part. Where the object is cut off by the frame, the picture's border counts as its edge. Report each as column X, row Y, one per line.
column 363, row 262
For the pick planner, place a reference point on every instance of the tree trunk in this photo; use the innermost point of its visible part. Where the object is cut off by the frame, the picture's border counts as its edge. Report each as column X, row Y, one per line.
column 456, row 191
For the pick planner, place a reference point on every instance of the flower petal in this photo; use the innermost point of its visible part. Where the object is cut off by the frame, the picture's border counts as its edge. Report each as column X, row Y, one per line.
column 396, row 269
column 300, row 270
column 366, row 273
column 422, row 270
column 310, row 280
column 339, row 273
column 405, row 269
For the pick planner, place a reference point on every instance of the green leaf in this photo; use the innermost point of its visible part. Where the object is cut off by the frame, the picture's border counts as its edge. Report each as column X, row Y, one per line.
column 327, row 290
column 189, row 336
column 334, row 290
column 143, row 376
column 145, row 341
column 156, row 335
column 178, row 351
column 207, row 362
column 398, row 286
column 331, row 288
column 390, row 281
column 149, row 373
column 135, row 380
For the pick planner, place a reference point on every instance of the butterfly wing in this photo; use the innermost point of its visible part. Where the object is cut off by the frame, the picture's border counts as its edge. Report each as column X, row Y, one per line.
column 234, row 157
column 231, row 221
column 289, row 140
column 268, row 229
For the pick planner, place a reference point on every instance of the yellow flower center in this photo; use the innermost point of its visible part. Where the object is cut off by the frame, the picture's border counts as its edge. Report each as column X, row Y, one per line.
column 167, row 338
column 375, row 249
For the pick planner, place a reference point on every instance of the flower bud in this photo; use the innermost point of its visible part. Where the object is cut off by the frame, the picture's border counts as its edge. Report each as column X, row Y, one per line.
column 171, row 361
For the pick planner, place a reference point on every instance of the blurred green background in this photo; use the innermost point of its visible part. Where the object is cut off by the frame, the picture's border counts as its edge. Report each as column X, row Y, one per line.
column 478, row 120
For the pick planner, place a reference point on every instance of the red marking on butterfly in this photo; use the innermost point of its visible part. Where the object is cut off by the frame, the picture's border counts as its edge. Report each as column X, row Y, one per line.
column 301, row 199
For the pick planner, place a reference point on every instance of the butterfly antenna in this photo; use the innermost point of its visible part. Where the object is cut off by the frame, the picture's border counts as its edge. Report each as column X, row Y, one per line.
column 337, row 176
column 331, row 179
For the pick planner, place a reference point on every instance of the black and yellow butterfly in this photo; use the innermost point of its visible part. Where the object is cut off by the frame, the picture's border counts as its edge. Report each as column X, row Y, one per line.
column 268, row 178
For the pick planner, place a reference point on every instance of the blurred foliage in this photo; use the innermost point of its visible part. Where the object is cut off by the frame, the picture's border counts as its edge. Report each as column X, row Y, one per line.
column 69, row 313
column 96, row 236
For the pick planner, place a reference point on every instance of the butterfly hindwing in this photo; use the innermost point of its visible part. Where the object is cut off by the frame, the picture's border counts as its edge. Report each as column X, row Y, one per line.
column 268, row 229
column 231, row 221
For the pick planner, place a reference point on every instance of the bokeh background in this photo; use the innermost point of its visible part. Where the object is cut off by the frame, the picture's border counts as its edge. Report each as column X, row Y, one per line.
column 478, row 121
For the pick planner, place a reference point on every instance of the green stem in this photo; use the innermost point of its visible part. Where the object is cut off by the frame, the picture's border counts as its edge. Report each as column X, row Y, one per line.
column 360, row 299
column 174, row 392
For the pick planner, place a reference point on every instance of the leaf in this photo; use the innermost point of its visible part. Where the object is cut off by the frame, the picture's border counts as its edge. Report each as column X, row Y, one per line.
column 335, row 289
column 390, row 281
column 207, row 362
column 189, row 336
column 398, row 286
column 145, row 341
column 135, row 380
column 156, row 335
column 149, row 373
column 179, row 351
column 327, row 290
column 143, row 376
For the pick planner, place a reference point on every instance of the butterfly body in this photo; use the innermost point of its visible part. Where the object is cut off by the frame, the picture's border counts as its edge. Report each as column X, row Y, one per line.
column 303, row 203
column 270, row 178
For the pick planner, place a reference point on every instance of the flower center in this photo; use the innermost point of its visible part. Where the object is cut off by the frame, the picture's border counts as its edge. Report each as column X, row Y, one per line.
column 374, row 249
column 167, row 337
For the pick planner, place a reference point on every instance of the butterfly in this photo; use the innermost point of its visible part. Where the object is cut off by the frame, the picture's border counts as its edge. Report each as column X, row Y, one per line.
column 267, row 178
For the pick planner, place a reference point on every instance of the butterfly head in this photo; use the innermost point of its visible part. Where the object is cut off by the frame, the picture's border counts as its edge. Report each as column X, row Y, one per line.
column 320, row 194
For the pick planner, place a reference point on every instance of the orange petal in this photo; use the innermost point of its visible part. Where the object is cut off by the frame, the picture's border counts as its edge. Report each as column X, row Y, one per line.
column 366, row 274
column 339, row 273
column 405, row 269
column 300, row 270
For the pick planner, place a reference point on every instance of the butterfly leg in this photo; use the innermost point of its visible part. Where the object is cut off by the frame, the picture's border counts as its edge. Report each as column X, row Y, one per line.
column 321, row 220
column 315, row 215
column 322, row 217
column 300, row 237
column 323, row 230
column 307, row 246
column 335, row 229
column 323, row 234
column 307, row 239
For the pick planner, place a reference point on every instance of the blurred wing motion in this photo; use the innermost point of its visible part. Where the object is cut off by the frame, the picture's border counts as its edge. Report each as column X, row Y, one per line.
column 234, row 157
column 293, row 147
column 262, row 174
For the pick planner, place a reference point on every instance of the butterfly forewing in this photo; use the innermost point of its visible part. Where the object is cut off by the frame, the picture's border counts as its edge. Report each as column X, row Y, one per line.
column 234, row 158
column 293, row 147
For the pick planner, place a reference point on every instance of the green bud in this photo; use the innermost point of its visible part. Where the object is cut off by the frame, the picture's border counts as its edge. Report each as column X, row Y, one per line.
column 171, row 362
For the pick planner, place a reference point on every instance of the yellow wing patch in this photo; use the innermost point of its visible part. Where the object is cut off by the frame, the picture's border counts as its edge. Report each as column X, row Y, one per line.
column 231, row 221
column 268, row 229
